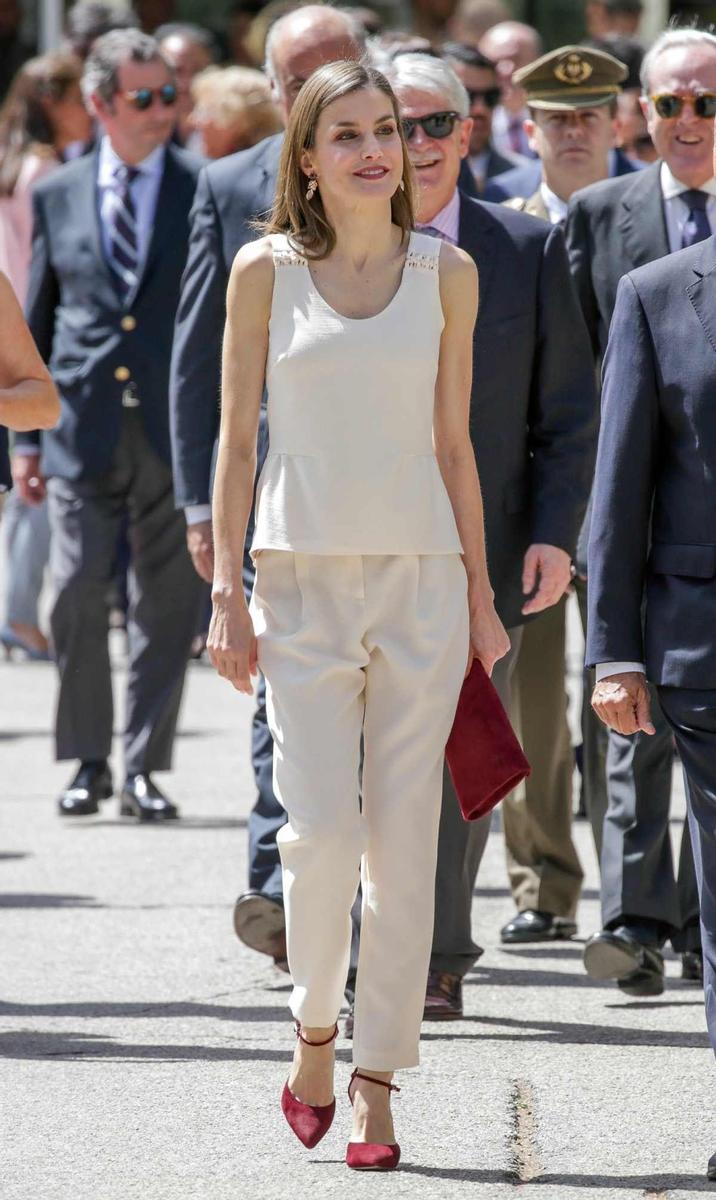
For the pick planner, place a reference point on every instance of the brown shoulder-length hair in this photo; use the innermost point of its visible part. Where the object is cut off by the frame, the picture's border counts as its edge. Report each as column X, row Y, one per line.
column 26, row 115
column 305, row 221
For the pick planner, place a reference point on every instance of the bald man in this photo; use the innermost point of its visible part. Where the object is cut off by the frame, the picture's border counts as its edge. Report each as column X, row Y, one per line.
column 230, row 194
column 511, row 45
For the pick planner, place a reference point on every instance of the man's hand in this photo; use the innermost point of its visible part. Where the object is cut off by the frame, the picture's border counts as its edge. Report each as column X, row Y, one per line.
column 553, row 567
column 200, row 541
column 622, row 703
column 27, row 478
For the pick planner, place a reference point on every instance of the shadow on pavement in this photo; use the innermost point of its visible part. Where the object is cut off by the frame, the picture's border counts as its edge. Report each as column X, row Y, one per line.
column 504, row 977
column 186, row 823
column 180, row 1008
column 650, row 1183
column 46, row 900
column 545, row 949
column 498, row 893
column 27, row 1044
column 572, row 1033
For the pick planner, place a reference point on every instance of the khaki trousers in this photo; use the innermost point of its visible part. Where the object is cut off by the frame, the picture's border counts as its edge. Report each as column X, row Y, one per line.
column 371, row 647
column 542, row 863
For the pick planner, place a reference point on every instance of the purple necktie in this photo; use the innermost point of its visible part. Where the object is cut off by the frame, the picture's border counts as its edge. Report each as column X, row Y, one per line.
column 433, row 231
column 123, row 240
column 697, row 227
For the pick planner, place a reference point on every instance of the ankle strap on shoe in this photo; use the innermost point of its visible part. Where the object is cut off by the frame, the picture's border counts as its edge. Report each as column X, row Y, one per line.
column 306, row 1042
column 370, row 1079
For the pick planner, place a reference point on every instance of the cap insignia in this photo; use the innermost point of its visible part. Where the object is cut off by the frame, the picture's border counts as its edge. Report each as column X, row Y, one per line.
column 573, row 69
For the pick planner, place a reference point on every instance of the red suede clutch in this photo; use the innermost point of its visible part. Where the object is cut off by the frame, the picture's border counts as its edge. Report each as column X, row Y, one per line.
column 483, row 754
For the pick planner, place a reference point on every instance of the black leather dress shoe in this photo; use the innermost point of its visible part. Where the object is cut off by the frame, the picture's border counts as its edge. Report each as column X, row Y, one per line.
column 142, row 799
column 711, row 1168
column 617, row 954
column 92, row 783
column 443, row 997
column 260, row 923
column 692, row 966
column 532, row 926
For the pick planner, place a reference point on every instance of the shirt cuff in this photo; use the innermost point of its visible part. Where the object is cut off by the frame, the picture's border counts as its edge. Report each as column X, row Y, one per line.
column 618, row 668
column 194, row 513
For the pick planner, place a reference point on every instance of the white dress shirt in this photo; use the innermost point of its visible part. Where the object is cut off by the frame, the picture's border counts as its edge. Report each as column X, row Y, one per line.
column 676, row 212
column 556, row 208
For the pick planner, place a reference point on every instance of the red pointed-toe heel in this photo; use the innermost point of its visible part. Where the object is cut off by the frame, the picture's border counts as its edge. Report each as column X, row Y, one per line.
column 371, row 1156
column 309, row 1122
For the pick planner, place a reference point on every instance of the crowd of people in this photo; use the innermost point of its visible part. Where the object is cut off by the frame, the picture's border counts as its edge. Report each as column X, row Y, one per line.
column 144, row 170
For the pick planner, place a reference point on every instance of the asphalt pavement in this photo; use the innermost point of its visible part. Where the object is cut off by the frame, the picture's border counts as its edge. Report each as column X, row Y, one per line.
column 143, row 1049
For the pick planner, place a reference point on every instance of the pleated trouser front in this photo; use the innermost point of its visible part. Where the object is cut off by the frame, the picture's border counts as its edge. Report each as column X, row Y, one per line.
column 352, row 647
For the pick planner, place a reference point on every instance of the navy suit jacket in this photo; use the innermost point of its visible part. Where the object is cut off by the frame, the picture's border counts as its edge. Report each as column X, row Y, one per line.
column 76, row 316
column 654, row 516
column 525, row 179
column 533, row 415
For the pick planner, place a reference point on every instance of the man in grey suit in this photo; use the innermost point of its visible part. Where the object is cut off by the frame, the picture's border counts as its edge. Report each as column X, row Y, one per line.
column 109, row 248
column 230, row 194
column 652, row 551
column 612, row 228
column 533, row 426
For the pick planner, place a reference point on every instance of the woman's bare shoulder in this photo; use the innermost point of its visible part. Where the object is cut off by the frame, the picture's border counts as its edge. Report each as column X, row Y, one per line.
column 252, row 272
column 457, row 264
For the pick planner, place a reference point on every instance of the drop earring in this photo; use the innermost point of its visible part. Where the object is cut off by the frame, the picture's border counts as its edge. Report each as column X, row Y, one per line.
column 312, row 188
column 402, row 185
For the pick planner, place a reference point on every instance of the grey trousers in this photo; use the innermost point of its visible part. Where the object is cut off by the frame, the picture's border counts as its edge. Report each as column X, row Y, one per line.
column 691, row 713
column 594, row 740
column 26, row 537
column 461, row 845
column 542, row 861
column 164, row 595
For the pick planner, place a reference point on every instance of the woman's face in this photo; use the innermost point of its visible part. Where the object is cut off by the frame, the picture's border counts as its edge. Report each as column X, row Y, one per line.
column 358, row 154
column 70, row 119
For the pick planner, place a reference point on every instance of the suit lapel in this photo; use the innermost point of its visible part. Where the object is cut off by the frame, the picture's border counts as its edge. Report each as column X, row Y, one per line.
column 702, row 293
column 85, row 206
column 165, row 217
column 269, row 168
column 641, row 221
column 477, row 236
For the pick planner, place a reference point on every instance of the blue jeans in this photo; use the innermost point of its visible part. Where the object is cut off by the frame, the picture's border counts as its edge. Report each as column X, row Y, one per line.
column 26, row 536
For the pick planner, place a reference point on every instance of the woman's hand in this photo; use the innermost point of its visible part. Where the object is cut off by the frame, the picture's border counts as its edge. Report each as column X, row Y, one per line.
column 232, row 643
column 488, row 639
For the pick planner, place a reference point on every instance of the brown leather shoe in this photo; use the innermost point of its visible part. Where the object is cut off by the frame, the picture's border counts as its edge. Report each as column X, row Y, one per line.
column 443, row 997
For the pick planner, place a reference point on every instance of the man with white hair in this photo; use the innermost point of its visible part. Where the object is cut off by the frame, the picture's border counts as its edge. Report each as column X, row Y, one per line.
column 612, row 228
column 532, row 423
column 230, row 194
column 511, row 45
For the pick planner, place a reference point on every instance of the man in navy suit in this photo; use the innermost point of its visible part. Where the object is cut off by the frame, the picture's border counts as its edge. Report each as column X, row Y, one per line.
column 612, row 228
column 533, row 427
column 652, row 550
column 230, row 194
column 109, row 247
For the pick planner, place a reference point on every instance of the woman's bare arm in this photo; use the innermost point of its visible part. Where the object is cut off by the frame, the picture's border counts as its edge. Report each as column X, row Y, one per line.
column 453, row 447
column 232, row 647
column 28, row 399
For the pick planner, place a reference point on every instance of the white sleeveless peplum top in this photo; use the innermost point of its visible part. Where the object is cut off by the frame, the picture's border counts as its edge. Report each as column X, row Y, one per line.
column 351, row 467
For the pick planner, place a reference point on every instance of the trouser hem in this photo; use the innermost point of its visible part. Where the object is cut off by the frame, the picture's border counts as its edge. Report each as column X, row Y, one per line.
column 384, row 1060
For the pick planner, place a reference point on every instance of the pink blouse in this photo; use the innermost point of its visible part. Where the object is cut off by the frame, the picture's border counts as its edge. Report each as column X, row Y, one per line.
column 16, row 221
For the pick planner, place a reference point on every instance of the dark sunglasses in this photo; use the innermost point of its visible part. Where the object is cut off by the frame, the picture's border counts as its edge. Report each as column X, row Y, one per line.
column 435, row 125
column 490, row 97
column 143, row 98
column 669, row 106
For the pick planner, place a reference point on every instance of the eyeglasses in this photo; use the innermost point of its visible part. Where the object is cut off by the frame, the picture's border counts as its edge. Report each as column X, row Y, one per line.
column 143, row 98
column 490, row 97
column 668, row 105
column 435, row 125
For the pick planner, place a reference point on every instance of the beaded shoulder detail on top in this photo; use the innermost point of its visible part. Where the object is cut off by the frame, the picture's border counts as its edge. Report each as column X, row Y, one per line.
column 423, row 253
column 284, row 255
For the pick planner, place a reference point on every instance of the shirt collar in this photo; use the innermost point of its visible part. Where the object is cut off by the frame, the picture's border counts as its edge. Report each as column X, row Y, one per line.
column 556, row 207
column 448, row 219
column 109, row 160
column 671, row 186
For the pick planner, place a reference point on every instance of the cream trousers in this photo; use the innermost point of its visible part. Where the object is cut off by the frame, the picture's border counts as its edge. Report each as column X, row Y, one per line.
column 371, row 647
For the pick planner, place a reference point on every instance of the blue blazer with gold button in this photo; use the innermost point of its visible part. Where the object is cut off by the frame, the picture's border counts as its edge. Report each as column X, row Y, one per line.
column 92, row 342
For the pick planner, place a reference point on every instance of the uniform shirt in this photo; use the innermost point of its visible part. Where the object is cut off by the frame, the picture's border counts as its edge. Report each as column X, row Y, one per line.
column 676, row 212
column 556, row 208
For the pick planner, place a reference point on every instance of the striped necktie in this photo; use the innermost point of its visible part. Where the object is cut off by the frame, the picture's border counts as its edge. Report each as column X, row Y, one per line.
column 122, row 228
column 697, row 227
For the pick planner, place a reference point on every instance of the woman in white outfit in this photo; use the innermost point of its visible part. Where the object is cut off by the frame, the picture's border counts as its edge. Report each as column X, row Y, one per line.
column 372, row 593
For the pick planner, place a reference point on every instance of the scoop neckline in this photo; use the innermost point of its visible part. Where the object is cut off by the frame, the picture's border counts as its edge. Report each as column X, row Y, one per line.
column 374, row 316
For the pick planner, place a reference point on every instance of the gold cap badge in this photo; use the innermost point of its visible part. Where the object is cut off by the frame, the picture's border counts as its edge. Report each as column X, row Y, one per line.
column 573, row 69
